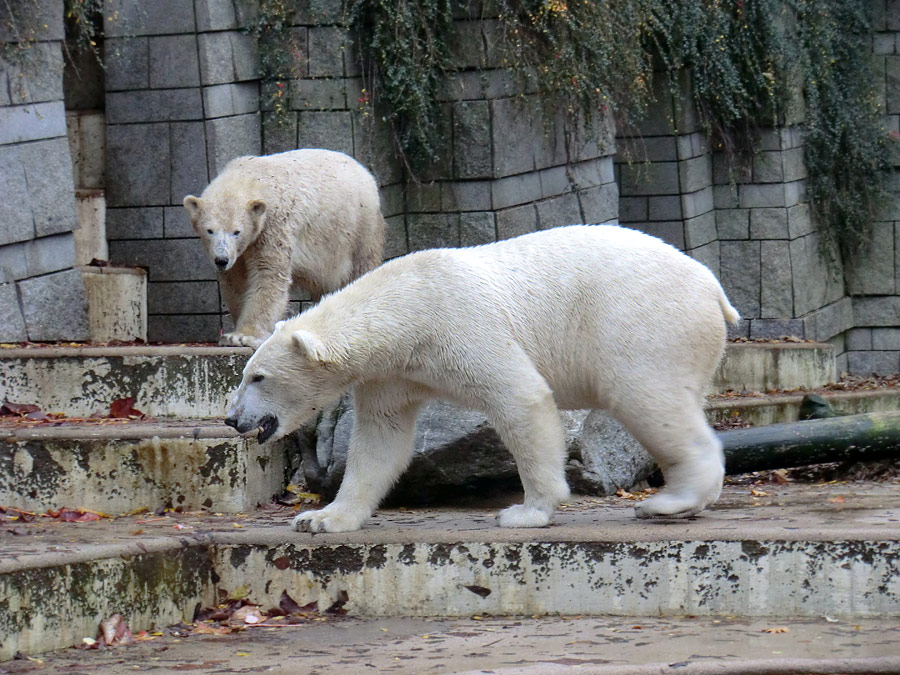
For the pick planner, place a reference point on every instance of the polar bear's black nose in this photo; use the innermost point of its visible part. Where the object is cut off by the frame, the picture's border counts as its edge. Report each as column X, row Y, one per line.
column 232, row 422
column 221, row 262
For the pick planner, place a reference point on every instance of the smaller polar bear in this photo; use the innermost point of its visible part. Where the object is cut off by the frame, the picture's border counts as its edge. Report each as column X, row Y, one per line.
column 574, row 317
column 308, row 216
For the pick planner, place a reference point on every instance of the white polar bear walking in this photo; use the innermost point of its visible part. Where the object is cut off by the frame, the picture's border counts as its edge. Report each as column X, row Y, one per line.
column 308, row 216
column 574, row 317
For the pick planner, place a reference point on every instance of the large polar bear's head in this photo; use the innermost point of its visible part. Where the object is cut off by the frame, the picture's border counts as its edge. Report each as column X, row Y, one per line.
column 226, row 223
column 288, row 380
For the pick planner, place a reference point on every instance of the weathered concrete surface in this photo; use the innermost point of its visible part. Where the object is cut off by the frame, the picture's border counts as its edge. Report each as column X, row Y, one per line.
column 118, row 468
column 765, row 366
column 512, row 646
column 801, row 551
column 170, row 381
column 763, row 409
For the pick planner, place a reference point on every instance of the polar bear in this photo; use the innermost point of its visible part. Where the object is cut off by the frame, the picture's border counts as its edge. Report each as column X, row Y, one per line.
column 308, row 216
column 583, row 316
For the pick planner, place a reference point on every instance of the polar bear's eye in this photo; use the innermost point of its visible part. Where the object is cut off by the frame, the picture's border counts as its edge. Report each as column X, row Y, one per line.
column 237, row 232
column 209, row 231
column 258, row 378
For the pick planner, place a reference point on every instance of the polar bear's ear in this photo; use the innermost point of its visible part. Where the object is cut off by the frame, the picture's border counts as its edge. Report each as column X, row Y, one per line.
column 310, row 346
column 193, row 205
column 257, row 208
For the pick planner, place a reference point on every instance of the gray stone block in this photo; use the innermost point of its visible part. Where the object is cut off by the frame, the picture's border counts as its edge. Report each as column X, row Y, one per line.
column 564, row 210
column 475, row 85
column 245, row 54
column 16, row 218
column 810, row 275
column 12, row 263
column 725, row 197
column 189, row 167
column 591, row 173
column 671, row 232
column 758, row 196
column 329, row 130
column 658, row 178
column 892, row 83
column 799, row 221
column 555, row 182
column 223, row 100
column 183, row 297
column 516, row 221
column 794, row 192
column 513, row 120
column 515, row 190
column 477, row 228
column 216, row 58
column 35, row 78
column 432, row 230
column 886, row 338
column 55, row 307
column 393, row 199
column 859, row 339
column 51, row 188
column 134, row 223
column 635, row 209
column 165, row 259
column 466, row 196
column 395, row 242
column 741, row 275
column 467, row 45
column 694, row 204
column 279, row 132
column 174, row 62
column 649, row 149
column 709, row 255
column 664, row 208
column 472, row 139
column 770, row 329
column 776, row 291
column 127, row 63
column 599, row 204
column 215, row 15
column 733, row 223
column 230, row 137
column 43, row 17
column 423, row 197
column 326, row 51
column 137, row 165
column 769, row 223
column 32, row 122
column 147, row 17
column 12, row 323
column 873, row 363
column 318, row 94
column 184, row 328
column 767, row 167
column 871, row 270
column 320, row 12
column 794, row 164
column 695, row 174
column 176, row 223
column 160, row 105
column 700, row 230
column 49, row 254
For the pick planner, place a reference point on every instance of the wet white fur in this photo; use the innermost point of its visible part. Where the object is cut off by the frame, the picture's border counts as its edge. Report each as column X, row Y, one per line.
column 308, row 216
column 574, row 317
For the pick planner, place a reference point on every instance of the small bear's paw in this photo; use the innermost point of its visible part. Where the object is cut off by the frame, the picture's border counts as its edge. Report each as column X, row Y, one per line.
column 241, row 340
column 326, row 520
column 523, row 516
column 666, row 505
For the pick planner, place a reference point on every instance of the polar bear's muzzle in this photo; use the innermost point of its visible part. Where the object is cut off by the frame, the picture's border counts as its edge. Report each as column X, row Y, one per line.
column 267, row 425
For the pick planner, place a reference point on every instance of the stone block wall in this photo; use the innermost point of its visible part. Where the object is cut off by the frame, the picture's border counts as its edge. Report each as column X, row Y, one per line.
column 41, row 297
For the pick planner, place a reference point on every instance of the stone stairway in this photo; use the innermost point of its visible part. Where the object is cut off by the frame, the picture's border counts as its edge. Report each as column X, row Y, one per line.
column 57, row 580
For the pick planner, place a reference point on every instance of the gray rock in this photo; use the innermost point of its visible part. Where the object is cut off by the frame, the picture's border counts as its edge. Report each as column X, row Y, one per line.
column 55, row 307
column 456, row 452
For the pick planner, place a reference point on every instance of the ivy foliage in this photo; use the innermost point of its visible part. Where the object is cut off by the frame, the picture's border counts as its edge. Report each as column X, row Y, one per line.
column 751, row 64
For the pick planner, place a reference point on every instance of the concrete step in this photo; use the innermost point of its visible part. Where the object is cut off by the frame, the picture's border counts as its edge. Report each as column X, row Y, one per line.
column 195, row 381
column 761, row 409
column 117, row 467
column 794, row 551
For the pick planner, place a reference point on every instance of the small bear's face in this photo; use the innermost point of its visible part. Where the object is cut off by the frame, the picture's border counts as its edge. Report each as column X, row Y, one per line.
column 226, row 230
column 286, row 383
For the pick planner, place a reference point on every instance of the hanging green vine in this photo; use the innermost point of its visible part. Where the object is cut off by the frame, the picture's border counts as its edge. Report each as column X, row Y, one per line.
column 747, row 60
column 280, row 54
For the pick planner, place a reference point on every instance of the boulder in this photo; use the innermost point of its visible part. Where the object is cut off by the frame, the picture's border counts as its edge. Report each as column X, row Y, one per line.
column 458, row 453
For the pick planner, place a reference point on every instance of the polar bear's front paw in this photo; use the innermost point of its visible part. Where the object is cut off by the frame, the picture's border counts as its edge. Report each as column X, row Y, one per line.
column 241, row 340
column 666, row 505
column 326, row 520
column 524, row 516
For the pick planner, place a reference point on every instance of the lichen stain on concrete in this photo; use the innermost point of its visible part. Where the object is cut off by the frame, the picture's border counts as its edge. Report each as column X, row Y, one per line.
column 28, row 468
column 441, row 555
column 377, row 557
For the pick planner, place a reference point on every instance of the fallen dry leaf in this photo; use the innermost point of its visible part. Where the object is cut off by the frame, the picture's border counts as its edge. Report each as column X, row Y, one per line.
column 837, row 500
column 124, row 407
column 776, row 629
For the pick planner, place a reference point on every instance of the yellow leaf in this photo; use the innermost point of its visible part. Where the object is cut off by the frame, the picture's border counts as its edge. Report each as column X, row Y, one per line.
column 776, row 629
column 239, row 593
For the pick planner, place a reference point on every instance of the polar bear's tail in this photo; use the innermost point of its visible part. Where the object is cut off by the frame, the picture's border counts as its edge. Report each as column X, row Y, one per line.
column 728, row 311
